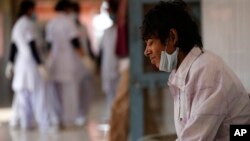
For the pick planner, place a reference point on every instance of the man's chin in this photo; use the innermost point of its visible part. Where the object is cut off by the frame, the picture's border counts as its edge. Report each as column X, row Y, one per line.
column 157, row 66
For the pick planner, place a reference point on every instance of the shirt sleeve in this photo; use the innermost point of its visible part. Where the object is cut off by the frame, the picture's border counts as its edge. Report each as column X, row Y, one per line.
column 35, row 52
column 13, row 52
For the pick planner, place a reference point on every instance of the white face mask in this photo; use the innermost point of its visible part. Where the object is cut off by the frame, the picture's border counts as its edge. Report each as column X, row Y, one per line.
column 168, row 62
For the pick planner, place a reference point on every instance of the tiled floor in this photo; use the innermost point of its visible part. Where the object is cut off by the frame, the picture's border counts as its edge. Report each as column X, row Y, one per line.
column 94, row 130
column 91, row 132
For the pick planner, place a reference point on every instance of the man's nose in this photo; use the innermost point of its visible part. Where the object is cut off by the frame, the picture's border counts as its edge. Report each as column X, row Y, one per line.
column 146, row 52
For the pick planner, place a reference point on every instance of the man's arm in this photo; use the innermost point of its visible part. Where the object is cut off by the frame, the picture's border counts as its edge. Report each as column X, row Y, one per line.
column 34, row 52
column 13, row 52
column 208, row 106
column 202, row 127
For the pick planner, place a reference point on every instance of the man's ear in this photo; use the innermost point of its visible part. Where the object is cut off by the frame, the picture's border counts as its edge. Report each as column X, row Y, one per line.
column 173, row 35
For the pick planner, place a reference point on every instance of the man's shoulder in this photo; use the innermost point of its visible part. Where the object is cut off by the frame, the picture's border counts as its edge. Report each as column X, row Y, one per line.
column 207, row 66
column 208, row 59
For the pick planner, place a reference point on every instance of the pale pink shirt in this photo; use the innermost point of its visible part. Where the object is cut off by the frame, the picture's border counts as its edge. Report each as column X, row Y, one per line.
column 208, row 98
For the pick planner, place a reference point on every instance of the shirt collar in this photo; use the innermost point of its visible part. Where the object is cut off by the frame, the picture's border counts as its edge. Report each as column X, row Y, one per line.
column 177, row 78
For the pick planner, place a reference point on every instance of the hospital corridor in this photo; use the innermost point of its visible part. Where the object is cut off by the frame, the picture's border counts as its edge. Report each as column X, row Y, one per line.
column 124, row 70
column 94, row 130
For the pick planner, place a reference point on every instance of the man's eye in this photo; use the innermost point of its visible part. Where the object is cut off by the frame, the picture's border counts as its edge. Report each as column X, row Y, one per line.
column 150, row 43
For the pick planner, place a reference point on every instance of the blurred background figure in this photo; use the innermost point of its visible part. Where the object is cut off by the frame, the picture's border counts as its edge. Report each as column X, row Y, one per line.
column 115, row 71
column 87, row 84
column 27, row 67
column 65, row 61
column 109, row 61
column 119, row 120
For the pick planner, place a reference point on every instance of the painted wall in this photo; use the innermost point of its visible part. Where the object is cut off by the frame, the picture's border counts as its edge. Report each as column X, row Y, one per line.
column 44, row 9
column 226, row 31
column 6, row 23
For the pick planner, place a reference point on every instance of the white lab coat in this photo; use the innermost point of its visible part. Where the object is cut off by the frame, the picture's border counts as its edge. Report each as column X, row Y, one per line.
column 65, row 64
column 109, row 66
column 26, row 74
column 31, row 92
column 87, row 84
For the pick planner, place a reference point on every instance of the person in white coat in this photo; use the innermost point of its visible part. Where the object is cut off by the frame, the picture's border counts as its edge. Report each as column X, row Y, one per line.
column 208, row 96
column 27, row 67
column 87, row 84
column 65, row 65
column 110, row 63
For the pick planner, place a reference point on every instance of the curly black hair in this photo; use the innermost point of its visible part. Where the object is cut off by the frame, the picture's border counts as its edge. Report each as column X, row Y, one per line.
column 167, row 15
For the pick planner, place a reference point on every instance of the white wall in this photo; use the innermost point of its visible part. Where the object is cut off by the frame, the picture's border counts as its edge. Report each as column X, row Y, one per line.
column 226, row 31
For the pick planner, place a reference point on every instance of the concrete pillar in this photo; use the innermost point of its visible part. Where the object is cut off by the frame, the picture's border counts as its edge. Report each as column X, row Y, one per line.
column 7, row 11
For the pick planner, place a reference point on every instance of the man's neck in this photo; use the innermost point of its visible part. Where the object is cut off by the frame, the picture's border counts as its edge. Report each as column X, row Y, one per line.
column 181, row 57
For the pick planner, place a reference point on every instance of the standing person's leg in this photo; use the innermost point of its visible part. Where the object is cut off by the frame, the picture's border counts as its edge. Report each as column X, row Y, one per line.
column 46, row 105
column 25, row 103
column 15, row 116
column 85, row 98
column 70, row 99
column 110, row 95
column 89, row 94
column 39, row 107
column 54, row 105
column 115, row 84
column 58, row 95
